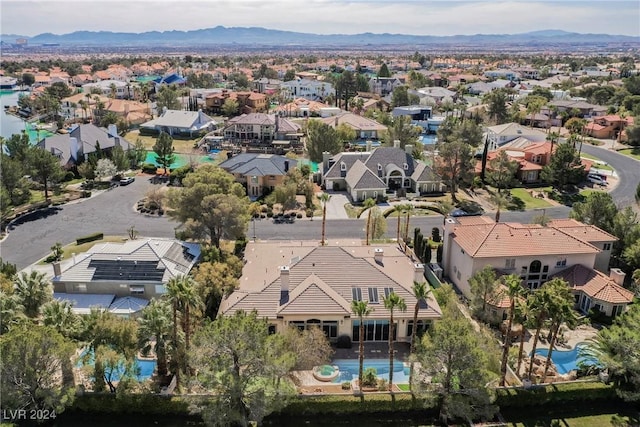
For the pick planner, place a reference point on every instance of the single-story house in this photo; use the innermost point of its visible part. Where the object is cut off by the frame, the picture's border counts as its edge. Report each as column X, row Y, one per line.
column 304, row 285
column 259, row 173
column 175, row 122
column 365, row 128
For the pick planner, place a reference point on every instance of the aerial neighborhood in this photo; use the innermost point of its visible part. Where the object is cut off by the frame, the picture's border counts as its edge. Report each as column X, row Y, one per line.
column 265, row 236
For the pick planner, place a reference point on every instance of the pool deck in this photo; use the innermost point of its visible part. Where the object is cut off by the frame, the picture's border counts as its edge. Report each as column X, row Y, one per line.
column 580, row 334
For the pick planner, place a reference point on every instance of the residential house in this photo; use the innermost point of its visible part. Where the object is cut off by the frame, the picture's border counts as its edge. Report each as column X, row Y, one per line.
column 136, row 268
column 266, row 85
column 530, row 156
column 365, row 128
column 501, row 134
column 82, row 304
column 169, row 79
column 384, row 86
column 74, row 147
column 304, row 285
column 502, row 74
column 248, row 102
column 535, row 253
column 607, row 127
column 123, row 89
column 581, row 108
column 370, row 174
column 301, row 107
column 313, row 90
column 175, row 122
column 259, row 173
column 263, row 131
column 436, row 94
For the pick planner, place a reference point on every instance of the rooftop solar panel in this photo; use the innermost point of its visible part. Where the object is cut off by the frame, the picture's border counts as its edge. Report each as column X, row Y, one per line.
column 127, row 270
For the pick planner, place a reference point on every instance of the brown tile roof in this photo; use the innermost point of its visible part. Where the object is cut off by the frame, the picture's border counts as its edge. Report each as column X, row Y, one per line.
column 595, row 284
column 507, row 239
column 584, row 232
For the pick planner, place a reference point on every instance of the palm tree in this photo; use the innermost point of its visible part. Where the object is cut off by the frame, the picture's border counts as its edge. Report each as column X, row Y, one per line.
column 399, row 208
column 560, row 311
column 361, row 309
column 34, row 290
column 539, row 314
column 60, row 315
column 421, row 291
column 523, row 317
column 173, row 293
column 408, row 211
column 392, row 302
column 368, row 204
column 11, row 311
column 501, row 201
column 113, row 91
column 324, row 199
column 156, row 322
column 514, row 290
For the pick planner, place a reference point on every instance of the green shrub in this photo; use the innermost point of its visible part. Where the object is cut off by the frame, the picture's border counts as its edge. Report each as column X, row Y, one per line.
column 346, row 385
column 130, row 404
column 149, row 168
column 370, row 377
column 568, row 393
column 89, row 238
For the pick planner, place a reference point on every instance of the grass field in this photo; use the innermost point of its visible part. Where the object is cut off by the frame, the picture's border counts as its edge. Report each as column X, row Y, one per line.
column 598, row 415
column 631, row 152
column 180, row 146
column 596, row 165
column 529, row 201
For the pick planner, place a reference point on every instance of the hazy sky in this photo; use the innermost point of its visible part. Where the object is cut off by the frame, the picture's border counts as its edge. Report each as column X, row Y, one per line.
column 449, row 17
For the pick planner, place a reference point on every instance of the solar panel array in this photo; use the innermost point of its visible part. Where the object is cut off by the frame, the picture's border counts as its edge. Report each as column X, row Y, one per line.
column 179, row 255
column 115, row 270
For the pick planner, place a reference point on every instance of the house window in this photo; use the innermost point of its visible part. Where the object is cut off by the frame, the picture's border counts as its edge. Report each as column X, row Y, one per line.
column 379, row 167
column 375, row 194
column 405, row 166
column 298, row 324
column 373, row 296
column 387, row 292
column 330, row 328
column 617, row 310
column 343, row 166
column 561, row 263
column 272, row 329
column 510, row 264
column 421, row 327
column 356, row 294
column 607, row 246
column 136, row 290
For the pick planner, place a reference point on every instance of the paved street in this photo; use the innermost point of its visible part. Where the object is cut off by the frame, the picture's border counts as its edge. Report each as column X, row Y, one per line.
column 112, row 213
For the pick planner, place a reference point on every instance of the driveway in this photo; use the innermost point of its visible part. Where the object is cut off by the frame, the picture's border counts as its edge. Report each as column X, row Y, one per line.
column 335, row 206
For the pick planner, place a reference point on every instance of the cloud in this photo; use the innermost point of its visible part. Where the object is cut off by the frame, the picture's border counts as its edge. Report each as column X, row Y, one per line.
column 322, row 16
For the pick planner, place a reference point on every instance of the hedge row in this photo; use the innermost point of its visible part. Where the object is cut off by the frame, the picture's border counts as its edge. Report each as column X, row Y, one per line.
column 89, row 238
column 149, row 404
column 554, row 394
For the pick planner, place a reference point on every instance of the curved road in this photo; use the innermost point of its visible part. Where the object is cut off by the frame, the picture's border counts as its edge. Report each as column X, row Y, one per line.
column 112, row 213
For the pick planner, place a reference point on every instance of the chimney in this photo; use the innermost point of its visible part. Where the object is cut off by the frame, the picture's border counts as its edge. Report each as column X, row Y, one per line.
column 408, row 149
column 369, row 145
column 284, row 284
column 325, row 160
column 112, row 130
column 378, row 254
column 286, row 166
column 396, row 143
column 57, row 271
column 617, row 276
column 418, row 273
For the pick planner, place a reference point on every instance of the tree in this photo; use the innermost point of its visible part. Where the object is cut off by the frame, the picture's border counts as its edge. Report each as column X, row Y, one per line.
column 46, row 168
column 468, row 132
column 19, row 147
column 514, row 291
column 230, row 107
column 60, row 316
column 598, row 209
column 368, row 205
column 215, row 280
column 564, row 168
column 453, row 358
column 502, row 171
column 401, row 130
column 164, row 151
column 120, row 159
column 34, row 290
column 455, row 164
column 626, row 227
column 324, row 199
column 560, row 310
column 320, row 138
column 86, row 170
column 421, row 292
column 285, row 195
column 417, row 80
column 33, row 369
column 309, row 346
column 631, row 256
column 378, row 223
column 346, row 133
column 167, row 98
column 399, row 97
column 392, row 302
column 58, row 91
column 539, row 302
column 237, row 358
column 154, row 332
column 361, row 309
column 137, row 154
column 12, row 176
column 484, row 287
column 289, row 75
column 105, row 168
column 384, row 71
column 210, row 204
column 28, row 79
column 616, row 349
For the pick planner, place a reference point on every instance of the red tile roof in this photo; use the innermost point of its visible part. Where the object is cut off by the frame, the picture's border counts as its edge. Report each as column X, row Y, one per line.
column 595, row 284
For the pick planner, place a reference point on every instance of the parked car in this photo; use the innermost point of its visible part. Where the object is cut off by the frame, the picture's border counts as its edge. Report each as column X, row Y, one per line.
column 126, row 181
column 460, row 212
column 597, row 179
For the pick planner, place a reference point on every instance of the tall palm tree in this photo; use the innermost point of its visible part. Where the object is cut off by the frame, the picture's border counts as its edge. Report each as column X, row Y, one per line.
column 539, row 314
column 399, row 209
column 501, row 201
column 156, row 323
column 408, row 211
column 523, row 317
column 174, row 294
column 34, row 290
column 560, row 311
column 368, row 204
column 60, row 315
column 324, row 199
column 362, row 310
column 392, row 302
column 514, row 290
column 421, row 291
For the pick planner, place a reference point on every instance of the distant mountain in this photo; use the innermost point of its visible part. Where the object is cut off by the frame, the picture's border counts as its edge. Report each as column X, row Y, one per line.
column 262, row 36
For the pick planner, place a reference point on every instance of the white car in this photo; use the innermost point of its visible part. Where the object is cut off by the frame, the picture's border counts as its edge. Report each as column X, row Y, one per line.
column 127, row 181
column 597, row 179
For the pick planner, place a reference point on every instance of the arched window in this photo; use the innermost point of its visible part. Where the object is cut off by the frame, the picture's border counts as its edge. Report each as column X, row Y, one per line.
column 535, row 267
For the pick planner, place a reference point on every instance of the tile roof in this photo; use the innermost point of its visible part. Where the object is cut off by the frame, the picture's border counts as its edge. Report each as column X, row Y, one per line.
column 258, row 164
column 359, row 177
column 584, row 232
column 595, row 284
column 354, row 121
column 191, row 120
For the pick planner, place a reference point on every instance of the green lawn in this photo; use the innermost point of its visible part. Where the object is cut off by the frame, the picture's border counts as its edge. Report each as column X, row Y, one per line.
column 631, row 152
column 596, row 415
column 596, row 165
column 182, row 146
column 404, row 387
column 529, row 201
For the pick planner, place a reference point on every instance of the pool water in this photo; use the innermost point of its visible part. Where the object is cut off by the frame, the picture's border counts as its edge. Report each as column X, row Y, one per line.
column 180, row 160
column 349, row 369
column 567, row 361
column 143, row 368
column 428, row 139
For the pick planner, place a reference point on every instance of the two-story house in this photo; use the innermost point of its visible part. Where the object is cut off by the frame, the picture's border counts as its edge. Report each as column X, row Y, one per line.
column 259, row 173
column 261, row 128
column 313, row 90
column 248, row 102
column 499, row 135
column 383, row 86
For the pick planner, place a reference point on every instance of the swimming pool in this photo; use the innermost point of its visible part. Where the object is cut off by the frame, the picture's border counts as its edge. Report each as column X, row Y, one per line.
column 428, row 139
column 567, row 361
column 143, row 368
column 349, row 369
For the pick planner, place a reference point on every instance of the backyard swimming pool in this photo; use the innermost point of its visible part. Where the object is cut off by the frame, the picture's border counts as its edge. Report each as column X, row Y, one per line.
column 567, row 361
column 428, row 139
column 143, row 368
column 349, row 369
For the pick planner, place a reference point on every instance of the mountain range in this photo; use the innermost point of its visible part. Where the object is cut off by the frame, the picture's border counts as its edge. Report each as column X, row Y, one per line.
column 264, row 37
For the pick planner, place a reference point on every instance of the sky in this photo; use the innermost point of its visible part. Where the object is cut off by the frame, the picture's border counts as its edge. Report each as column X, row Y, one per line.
column 421, row 17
